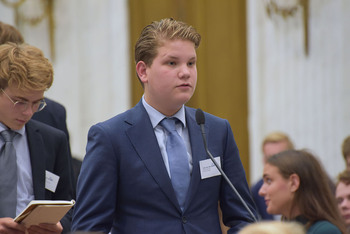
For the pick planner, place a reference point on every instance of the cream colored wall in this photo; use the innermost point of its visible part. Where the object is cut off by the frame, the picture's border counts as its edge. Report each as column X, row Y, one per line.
column 91, row 62
column 305, row 96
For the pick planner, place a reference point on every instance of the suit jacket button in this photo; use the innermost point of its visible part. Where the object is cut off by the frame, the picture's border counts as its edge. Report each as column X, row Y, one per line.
column 184, row 219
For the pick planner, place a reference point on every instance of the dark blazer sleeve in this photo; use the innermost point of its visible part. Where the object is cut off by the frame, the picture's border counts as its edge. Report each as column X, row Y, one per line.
column 97, row 185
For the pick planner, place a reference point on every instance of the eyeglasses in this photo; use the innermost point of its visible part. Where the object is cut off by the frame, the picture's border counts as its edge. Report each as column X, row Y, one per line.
column 23, row 105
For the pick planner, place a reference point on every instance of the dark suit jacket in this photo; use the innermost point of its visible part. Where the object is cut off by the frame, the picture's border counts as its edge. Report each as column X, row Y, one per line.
column 54, row 114
column 260, row 201
column 49, row 151
column 124, row 185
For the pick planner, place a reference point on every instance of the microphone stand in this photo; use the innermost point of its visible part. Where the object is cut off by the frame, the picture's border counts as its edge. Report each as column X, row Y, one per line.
column 224, row 175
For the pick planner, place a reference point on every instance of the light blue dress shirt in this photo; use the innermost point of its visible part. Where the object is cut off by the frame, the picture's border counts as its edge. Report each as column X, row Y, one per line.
column 25, row 191
column 155, row 117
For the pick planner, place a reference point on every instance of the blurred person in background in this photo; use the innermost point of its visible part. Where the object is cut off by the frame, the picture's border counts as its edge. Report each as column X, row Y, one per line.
column 297, row 187
column 273, row 227
column 346, row 152
column 273, row 143
column 342, row 194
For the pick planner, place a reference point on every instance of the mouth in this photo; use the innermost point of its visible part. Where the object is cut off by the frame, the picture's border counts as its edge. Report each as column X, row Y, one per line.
column 22, row 121
column 184, row 85
column 267, row 202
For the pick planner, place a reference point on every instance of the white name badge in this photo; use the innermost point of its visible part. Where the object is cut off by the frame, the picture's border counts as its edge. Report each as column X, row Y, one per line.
column 208, row 168
column 51, row 181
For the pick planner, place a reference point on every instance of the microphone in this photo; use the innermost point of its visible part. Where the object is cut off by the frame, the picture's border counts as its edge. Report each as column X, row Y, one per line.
column 200, row 119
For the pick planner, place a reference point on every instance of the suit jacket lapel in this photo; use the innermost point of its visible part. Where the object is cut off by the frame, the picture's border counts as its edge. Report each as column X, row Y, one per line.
column 198, row 152
column 35, row 144
column 148, row 149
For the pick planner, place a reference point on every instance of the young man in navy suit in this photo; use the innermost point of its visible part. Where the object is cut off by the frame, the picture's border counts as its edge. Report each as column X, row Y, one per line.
column 43, row 160
column 125, row 185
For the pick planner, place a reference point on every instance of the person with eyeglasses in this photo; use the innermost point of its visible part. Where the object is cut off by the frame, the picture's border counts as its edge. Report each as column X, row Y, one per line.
column 39, row 155
column 54, row 113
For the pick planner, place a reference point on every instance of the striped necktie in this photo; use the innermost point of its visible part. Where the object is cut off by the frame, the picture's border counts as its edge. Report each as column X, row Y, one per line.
column 178, row 160
column 8, row 176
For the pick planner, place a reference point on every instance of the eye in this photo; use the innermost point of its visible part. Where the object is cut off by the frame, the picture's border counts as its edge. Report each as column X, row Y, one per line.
column 267, row 180
column 339, row 200
column 191, row 63
column 36, row 104
column 21, row 103
column 171, row 63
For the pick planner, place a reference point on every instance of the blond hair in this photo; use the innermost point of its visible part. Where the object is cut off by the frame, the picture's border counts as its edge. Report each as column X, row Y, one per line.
column 344, row 177
column 154, row 34
column 277, row 136
column 25, row 67
column 273, row 227
column 8, row 33
column 346, row 147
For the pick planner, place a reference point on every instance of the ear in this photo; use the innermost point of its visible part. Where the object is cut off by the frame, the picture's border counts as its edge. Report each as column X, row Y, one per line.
column 294, row 180
column 141, row 69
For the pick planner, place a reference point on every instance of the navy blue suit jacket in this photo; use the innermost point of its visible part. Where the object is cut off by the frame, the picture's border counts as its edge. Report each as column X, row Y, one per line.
column 124, row 186
column 54, row 114
column 48, row 150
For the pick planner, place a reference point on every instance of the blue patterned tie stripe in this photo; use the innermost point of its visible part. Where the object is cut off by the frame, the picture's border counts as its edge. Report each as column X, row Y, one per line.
column 8, row 176
column 178, row 160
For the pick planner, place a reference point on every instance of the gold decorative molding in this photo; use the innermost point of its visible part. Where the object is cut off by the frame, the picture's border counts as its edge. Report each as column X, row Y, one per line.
column 284, row 8
column 288, row 8
column 13, row 4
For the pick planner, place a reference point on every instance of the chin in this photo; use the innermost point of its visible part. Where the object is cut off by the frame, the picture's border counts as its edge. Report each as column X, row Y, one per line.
column 181, row 101
column 271, row 211
column 17, row 127
column 185, row 98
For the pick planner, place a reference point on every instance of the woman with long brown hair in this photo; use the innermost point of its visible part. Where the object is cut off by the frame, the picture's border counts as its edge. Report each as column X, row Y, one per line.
column 297, row 187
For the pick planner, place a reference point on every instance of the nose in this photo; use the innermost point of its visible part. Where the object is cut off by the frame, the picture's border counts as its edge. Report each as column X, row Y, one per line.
column 184, row 71
column 29, row 110
column 262, row 191
column 345, row 205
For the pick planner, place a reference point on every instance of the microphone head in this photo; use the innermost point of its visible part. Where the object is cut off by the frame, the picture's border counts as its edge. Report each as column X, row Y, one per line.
column 200, row 117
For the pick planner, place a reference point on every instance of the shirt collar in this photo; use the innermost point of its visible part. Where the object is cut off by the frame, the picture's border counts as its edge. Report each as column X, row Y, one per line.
column 156, row 116
column 20, row 131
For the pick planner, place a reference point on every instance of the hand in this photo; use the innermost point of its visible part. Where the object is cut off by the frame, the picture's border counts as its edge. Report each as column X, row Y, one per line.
column 8, row 226
column 45, row 228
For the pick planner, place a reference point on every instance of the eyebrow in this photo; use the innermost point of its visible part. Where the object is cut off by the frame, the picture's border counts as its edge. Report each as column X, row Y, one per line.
column 176, row 57
column 25, row 99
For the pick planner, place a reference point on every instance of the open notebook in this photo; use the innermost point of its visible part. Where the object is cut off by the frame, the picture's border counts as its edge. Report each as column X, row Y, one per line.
column 44, row 211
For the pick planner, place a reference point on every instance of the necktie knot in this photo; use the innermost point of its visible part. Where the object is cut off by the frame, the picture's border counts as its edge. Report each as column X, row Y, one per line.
column 169, row 124
column 8, row 135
